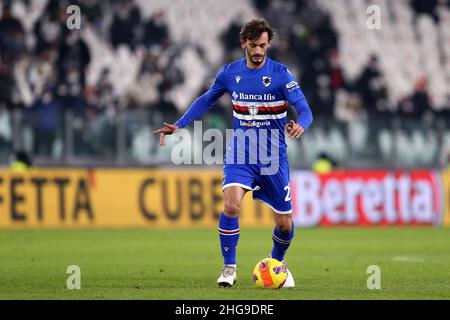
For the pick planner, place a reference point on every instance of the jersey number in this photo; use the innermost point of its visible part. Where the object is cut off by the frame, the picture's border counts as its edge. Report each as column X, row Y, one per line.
column 288, row 195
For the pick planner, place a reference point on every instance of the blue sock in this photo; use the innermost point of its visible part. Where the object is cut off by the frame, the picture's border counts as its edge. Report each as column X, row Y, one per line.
column 281, row 242
column 229, row 236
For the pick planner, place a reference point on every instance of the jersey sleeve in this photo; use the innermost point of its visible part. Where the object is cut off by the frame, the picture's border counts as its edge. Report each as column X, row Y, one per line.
column 205, row 102
column 294, row 95
column 218, row 88
column 291, row 89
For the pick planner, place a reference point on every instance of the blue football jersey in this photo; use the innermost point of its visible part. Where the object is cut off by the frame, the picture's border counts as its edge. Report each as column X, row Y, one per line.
column 260, row 99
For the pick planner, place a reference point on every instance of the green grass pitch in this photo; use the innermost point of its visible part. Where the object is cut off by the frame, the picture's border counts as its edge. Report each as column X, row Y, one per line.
column 327, row 263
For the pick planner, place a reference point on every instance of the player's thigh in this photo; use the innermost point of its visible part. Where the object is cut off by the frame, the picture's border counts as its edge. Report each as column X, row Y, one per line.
column 233, row 196
column 275, row 190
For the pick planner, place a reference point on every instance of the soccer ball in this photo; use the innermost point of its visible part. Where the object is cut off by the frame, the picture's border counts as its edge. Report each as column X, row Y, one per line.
column 269, row 273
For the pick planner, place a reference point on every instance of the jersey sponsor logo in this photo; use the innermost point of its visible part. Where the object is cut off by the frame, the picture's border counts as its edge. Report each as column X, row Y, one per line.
column 266, row 81
column 291, row 84
column 259, row 97
column 234, row 95
column 238, row 78
column 256, row 124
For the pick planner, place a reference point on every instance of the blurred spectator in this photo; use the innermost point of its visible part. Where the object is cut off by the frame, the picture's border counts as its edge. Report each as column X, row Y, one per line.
column 352, row 109
column 49, row 29
column 156, row 31
column 312, row 44
column 21, row 162
column 323, row 164
column 280, row 14
column 284, row 52
column 146, row 92
column 46, row 115
column 5, row 129
column 230, row 38
column 74, row 57
column 167, row 108
column 371, row 86
column 261, row 5
column 126, row 24
column 337, row 80
column 6, row 82
column 421, row 98
column 101, row 96
column 418, row 104
column 426, row 7
column 93, row 11
column 12, row 36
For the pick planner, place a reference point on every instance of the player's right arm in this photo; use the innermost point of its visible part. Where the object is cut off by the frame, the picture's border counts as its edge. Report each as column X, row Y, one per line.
column 197, row 108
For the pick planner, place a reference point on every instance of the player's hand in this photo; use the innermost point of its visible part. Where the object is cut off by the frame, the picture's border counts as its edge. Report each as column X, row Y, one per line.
column 294, row 130
column 168, row 129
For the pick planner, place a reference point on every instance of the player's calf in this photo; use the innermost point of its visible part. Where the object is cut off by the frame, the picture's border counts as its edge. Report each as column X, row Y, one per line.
column 281, row 241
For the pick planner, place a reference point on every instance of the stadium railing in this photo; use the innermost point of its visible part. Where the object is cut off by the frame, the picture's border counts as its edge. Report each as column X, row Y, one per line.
column 125, row 139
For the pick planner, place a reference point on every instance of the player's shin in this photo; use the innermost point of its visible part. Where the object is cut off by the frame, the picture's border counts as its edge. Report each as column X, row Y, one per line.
column 229, row 236
column 281, row 242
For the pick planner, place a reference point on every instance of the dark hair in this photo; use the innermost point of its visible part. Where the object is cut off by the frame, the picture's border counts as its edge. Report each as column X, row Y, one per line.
column 254, row 29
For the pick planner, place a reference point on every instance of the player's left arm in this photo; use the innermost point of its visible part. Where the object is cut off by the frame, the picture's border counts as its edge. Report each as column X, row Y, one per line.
column 294, row 95
column 304, row 119
column 197, row 108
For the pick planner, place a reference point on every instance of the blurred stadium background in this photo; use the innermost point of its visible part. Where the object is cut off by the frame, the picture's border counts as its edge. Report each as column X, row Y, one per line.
column 380, row 97
column 79, row 108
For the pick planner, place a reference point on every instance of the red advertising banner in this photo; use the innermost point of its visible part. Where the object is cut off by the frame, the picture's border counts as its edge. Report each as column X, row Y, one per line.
column 375, row 197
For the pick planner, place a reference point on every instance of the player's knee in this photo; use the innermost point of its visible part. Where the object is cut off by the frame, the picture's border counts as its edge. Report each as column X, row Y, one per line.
column 232, row 208
column 285, row 224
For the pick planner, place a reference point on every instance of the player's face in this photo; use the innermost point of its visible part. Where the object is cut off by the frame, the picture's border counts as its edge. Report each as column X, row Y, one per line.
column 256, row 49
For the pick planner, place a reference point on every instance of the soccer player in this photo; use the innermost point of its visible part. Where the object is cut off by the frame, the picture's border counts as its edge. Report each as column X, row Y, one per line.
column 261, row 90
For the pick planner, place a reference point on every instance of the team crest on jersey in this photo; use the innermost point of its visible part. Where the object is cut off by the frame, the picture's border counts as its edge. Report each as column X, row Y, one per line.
column 253, row 110
column 266, row 81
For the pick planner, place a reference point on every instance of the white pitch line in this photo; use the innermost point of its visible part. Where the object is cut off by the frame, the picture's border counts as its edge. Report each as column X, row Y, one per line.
column 408, row 259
